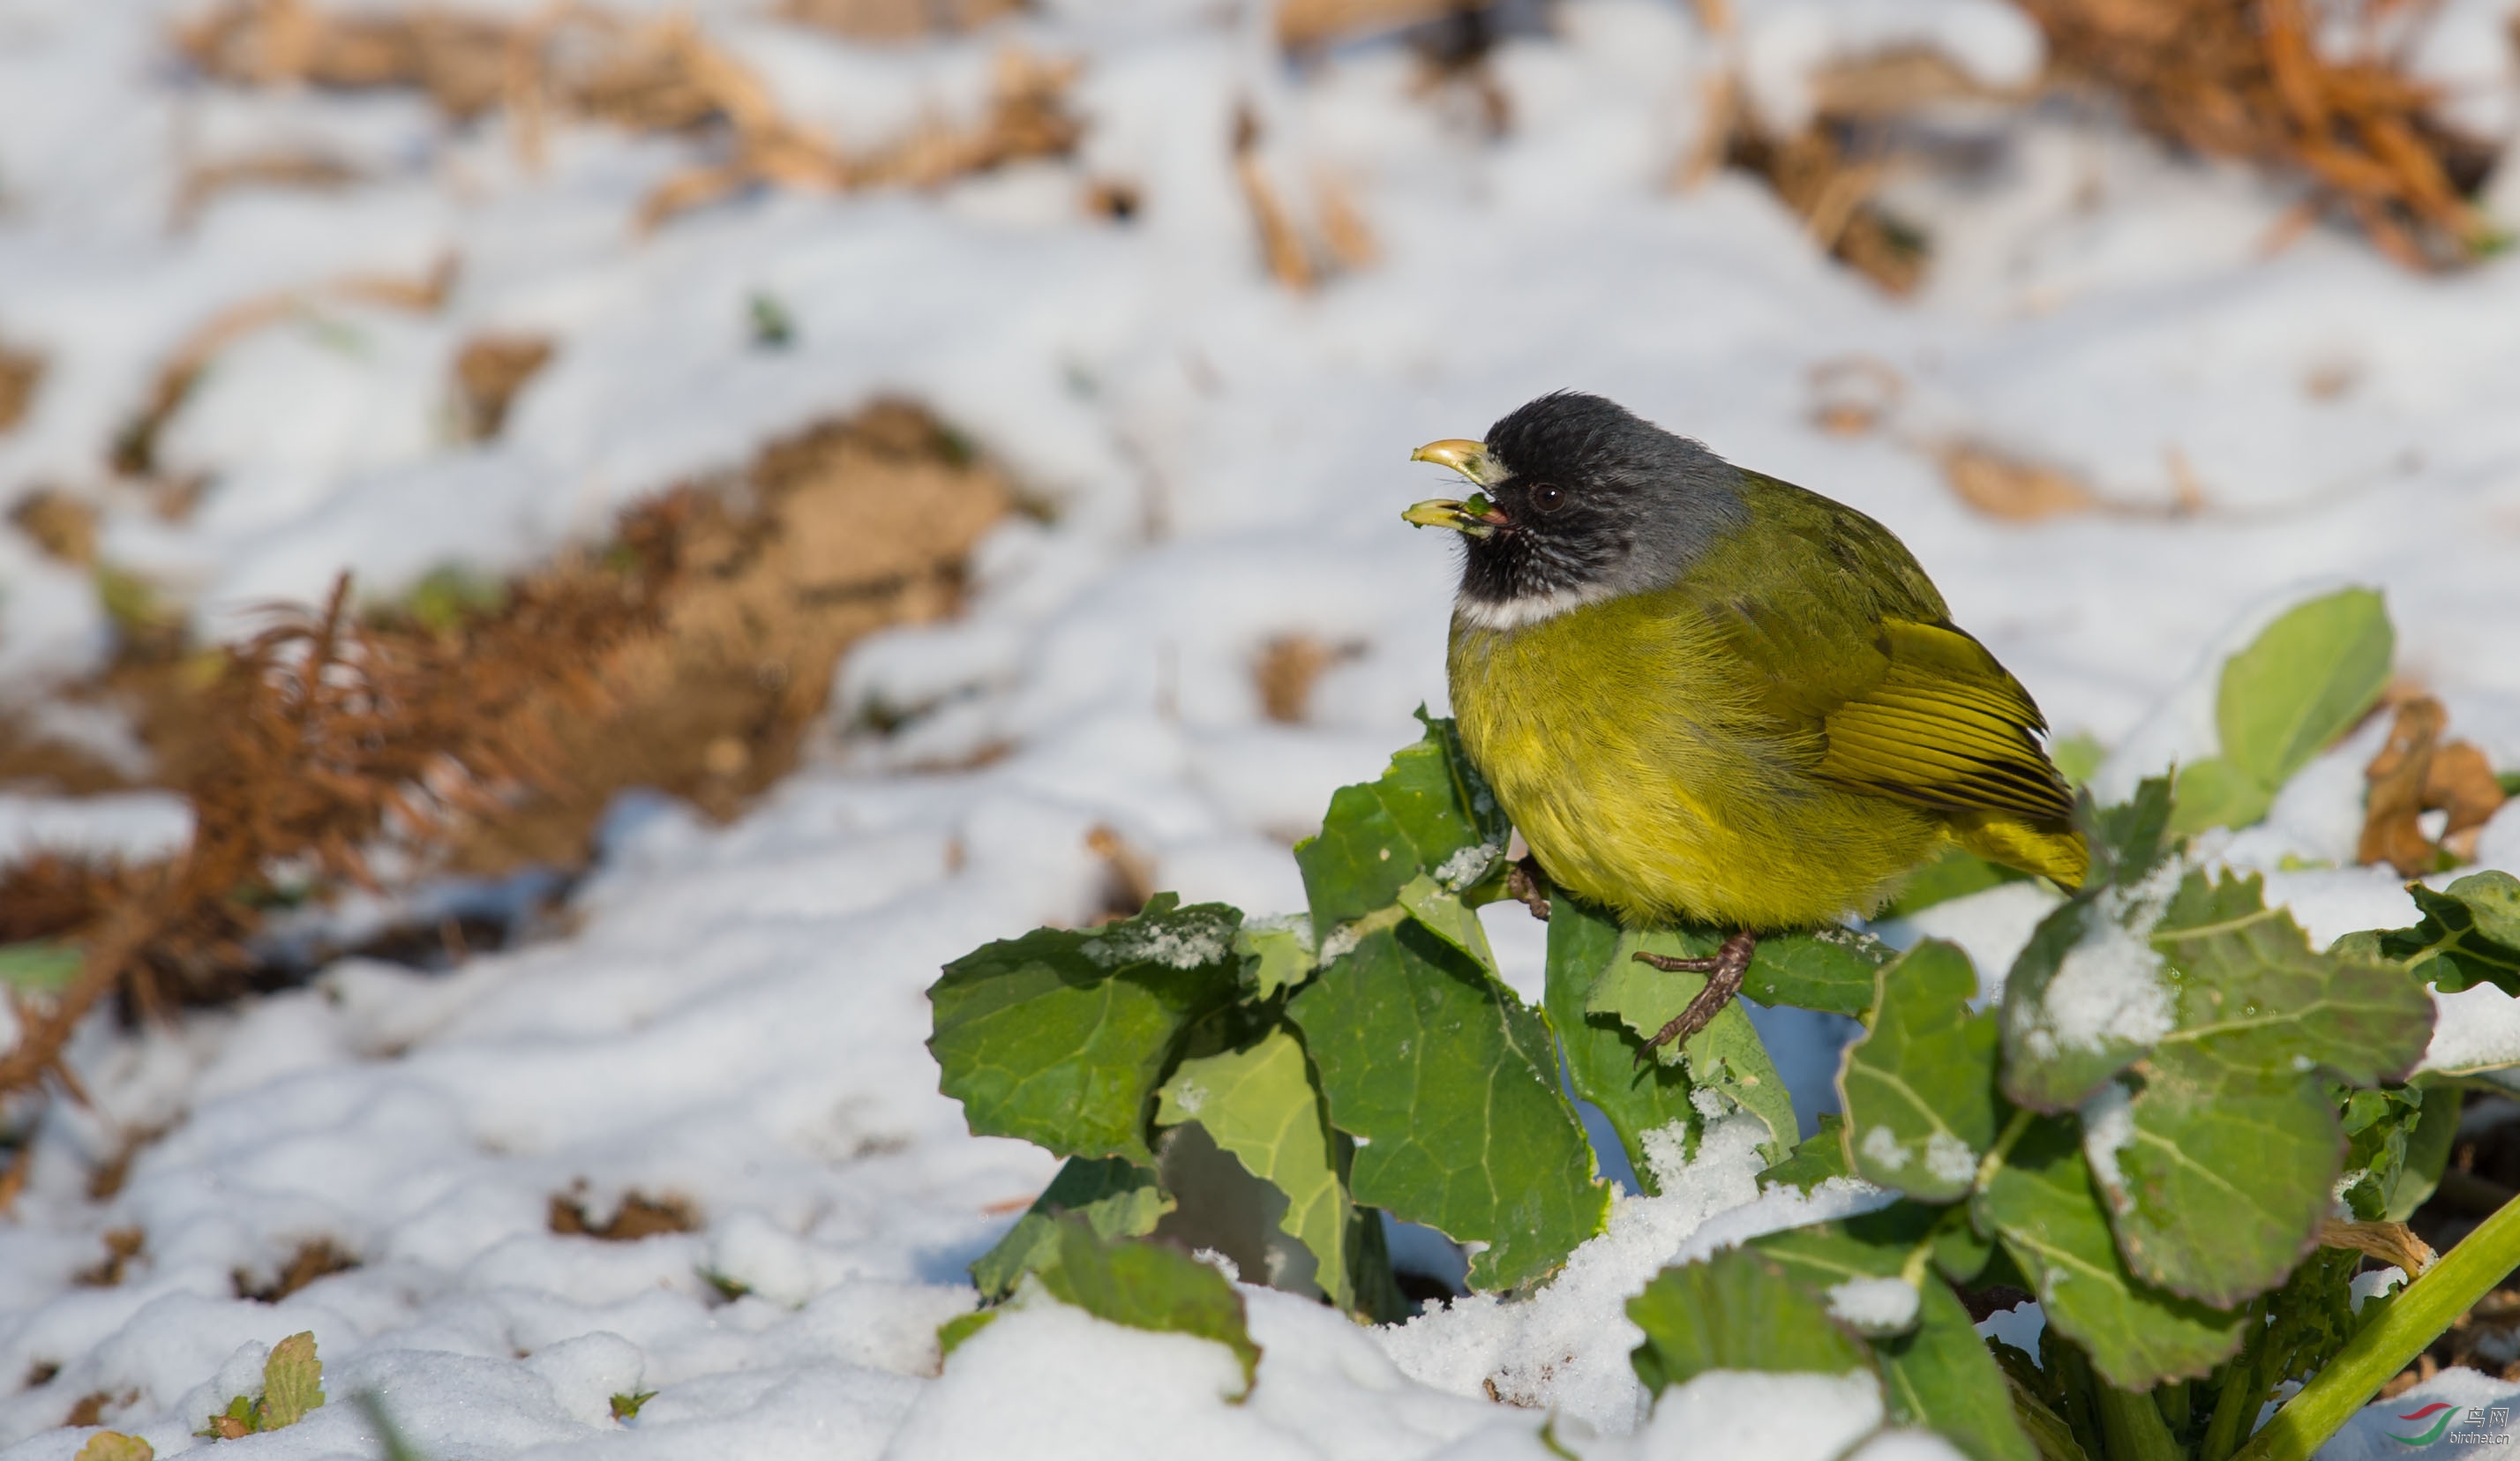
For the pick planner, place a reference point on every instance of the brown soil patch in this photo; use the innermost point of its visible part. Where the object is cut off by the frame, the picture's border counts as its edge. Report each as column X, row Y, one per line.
column 639, row 1217
column 839, row 530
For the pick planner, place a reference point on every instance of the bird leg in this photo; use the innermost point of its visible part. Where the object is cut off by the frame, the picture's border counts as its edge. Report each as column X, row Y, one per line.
column 1527, row 885
column 1723, row 969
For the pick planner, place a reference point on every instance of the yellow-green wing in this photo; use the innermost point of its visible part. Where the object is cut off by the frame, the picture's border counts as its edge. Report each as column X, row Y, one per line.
column 1945, row 727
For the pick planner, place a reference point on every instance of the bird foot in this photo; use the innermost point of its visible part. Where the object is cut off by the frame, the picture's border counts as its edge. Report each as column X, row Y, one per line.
column 1527, row 885
column 1723, row 969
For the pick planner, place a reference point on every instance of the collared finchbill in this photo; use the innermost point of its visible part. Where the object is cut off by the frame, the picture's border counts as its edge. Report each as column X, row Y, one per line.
column 1469, row 457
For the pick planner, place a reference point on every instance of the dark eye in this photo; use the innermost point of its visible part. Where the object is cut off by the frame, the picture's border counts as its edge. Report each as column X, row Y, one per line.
column 1547, row 497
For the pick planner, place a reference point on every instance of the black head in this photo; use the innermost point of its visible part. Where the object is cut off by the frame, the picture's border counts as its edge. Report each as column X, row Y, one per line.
column 1583, row 501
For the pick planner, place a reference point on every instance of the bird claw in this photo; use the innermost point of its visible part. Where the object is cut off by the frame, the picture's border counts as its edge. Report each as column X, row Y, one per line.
column 1724, row 969
column 1527, row 885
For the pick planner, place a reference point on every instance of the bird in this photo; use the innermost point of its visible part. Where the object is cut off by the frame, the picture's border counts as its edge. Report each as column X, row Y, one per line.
column 1705, row 695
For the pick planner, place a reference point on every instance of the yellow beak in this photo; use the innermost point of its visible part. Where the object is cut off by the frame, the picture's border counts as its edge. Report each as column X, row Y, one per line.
column 1469, row 457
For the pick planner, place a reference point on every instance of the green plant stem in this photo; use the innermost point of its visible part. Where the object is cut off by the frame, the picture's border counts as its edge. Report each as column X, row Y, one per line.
column 2414, row 1318
column 2236, row 1400
column 2130, row 1424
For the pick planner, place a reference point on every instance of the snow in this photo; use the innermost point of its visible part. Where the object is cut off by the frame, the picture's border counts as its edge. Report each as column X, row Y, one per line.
column 1874, row 1306
column 131, row 825
column 733, row 1015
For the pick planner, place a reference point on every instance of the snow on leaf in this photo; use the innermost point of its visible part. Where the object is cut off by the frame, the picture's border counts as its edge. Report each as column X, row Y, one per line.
column 1919, row 1087
column 1451, row 1083
column 1935, row 1371
column 1737, row 1310
column 1425, row 812
column 1057, row 1039
column 1819, row 1158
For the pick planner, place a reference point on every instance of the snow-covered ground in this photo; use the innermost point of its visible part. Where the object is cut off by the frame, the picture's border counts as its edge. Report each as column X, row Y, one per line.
column 737, row 1018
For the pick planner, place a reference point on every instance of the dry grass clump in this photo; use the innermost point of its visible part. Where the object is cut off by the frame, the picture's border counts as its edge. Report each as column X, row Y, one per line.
column 2244, row 80
column 658, row 74
column 689, row 653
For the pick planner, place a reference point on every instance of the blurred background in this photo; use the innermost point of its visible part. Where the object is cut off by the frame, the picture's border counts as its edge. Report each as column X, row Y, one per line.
column 466, row 461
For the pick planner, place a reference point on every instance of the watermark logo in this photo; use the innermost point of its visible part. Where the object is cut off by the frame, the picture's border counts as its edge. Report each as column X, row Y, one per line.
column 2477, row 1424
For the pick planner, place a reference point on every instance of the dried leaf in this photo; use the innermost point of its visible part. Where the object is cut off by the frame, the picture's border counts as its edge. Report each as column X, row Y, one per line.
column 114, row 1445
column 2009, row 487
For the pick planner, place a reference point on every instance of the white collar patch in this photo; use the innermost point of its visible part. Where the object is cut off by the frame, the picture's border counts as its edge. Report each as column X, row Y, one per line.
column 1530, row 610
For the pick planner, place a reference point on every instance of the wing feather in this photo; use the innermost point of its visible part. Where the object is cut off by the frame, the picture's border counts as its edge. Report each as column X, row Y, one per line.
column 1946, row 727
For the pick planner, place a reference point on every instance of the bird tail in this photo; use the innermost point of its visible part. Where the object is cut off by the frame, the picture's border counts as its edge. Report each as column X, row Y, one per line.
column 2049, row 850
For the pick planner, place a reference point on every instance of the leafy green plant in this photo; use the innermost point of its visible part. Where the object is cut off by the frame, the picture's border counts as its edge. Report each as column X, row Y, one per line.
column 1364, row 1059
column 2170, row 1130
column 293, row 1383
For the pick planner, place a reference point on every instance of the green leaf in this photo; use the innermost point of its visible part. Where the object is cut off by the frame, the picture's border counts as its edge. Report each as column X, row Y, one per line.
column 2469, row 935
column 627, row 1406
column 292, row 1382
column 1937, row 1373
column 2426, row 1153
column 1447, row 917
column 2215, row 793
column 114, row 1445
column 1956, row 873
column 1737, row 1310
column 1060, row 1036
column 2304, row 683
column 1276, row 956
column 1919, row 1087
column 2041, row 1203
column 1727, row 1057
column 954, row 1332
column 1819, row 1158
column 1829, row 969
column 2077, row 757
column 1645, row 1101
column 2215, row 1177
column 39, row 966
column 2248, row 992
column 1117, row 1198
column 1150, row 1286
column 1259, row 1104
column 1451, row 1086
column 1430, row 814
